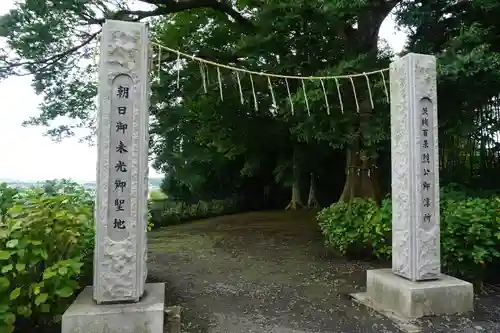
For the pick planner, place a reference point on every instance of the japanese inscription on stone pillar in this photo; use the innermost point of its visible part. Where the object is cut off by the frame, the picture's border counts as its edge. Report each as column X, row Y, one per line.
column 122, row 184
column 121, row 140
column 415, row 170
column 427, row 169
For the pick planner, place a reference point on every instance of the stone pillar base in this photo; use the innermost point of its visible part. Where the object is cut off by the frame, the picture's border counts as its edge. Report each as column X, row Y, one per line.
column 145, row 316
column 387, row 292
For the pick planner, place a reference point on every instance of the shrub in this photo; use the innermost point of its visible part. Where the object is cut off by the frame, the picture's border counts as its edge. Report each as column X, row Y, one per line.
column 7, row 200
column 45, row 244
column 157, row 195
column 165, row 212
column 470, row 231
column 352, row 228
column 470, row 236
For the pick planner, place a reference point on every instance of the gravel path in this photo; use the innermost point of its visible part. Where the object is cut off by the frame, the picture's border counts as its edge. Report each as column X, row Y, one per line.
column 269, row 272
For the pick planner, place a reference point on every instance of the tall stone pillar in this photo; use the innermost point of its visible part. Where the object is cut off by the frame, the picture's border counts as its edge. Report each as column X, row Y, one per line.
column 120, row 301
column 122, row 172
column 415, row 287
column 415, row 168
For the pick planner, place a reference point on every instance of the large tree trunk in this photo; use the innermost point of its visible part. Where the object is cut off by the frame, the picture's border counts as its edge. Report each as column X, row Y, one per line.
column 361, row 175
column 295, row 202
column 361, row 179
column 312, row 202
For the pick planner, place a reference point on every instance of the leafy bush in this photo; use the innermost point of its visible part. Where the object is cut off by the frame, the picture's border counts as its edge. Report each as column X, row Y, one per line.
column 470, row 236
column 157, row 195
column 7, row 200
column 470, row 231
column 355, row 227
column 46, row 244
column 165, row 212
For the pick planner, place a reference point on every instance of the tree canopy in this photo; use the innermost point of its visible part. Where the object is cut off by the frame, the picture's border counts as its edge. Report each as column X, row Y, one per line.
column 213, row 145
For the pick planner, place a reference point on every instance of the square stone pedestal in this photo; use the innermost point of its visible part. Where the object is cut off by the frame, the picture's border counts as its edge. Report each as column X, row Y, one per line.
column 387, row 292
column 146, row 316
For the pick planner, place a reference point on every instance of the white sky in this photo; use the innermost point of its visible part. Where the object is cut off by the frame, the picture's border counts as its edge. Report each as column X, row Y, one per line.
column 27, row 155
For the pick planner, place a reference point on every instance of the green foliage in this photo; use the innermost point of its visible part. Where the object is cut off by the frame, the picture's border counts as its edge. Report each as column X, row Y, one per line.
column 46, row 246
column 157, row 195
column 470, row 235
column 7, row 200
column 350, row 228
column 465, row 37
column 55, row 41
column 470, row 231
column 165, row 212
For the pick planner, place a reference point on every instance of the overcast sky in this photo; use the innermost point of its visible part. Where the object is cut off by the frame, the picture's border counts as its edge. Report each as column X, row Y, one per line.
column 27, row 155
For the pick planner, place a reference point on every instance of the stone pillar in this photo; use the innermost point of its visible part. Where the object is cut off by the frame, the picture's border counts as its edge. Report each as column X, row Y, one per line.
column 415, row 168
column 415, row 287
column 122, row 171
column 120, row 301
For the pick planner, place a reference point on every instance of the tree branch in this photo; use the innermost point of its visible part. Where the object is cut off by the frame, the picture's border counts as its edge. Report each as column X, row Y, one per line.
column 166, row 7
column 53, row 59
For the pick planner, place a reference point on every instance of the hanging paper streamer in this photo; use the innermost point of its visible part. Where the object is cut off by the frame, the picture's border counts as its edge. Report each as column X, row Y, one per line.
column 305, row 97
column 369, row 90
column 220, row 84
column 340, row 96
column 272, row 92
column 203, row 77
column 355, row 95
column 254, row 96
column 289, row 95
column 158, row 69
column 242, row 100
column 204, row 70
column 178, row 64
column 207, row 73
column 326, row 97
column 385, row 86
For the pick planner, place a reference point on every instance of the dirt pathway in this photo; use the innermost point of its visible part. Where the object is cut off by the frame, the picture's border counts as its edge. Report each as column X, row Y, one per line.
column 269, row 272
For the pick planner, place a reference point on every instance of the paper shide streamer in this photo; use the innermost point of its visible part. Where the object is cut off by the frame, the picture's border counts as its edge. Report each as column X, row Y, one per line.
column 204, row 74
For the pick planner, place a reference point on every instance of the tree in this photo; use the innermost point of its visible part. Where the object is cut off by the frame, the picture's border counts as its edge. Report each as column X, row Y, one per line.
column 201, row 138
column 54, row 40
column 465, row 36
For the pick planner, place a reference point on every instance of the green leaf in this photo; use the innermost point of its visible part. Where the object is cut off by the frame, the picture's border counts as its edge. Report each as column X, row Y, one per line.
column 12, row 243
column 20, row 267
column 63, row 271
column 10, row 318
column 48, row 274
column 41, row 298
column 4, row 283
column 36, row 288
column 64, row 292
column 24, row 310
column 15, row 293
column 4, row 255
column 7, row 268
column 45, row 308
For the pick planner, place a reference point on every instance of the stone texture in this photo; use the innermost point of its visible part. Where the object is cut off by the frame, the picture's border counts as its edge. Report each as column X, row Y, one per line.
column 408, row 299
column 146, row 316
column 415, row 170
column 120, row 253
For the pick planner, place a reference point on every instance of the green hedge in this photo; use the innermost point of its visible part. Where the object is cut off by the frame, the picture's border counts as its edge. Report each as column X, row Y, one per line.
column 46, row 249
column 470, row 231
column 164, row 212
